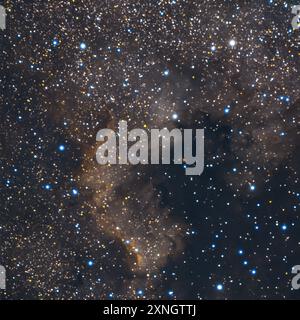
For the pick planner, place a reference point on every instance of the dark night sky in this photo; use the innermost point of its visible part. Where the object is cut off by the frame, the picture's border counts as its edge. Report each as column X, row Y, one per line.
column 73, row 229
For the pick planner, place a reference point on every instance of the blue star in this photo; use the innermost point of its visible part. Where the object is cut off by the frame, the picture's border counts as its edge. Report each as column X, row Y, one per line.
column 284, row 98
column 61, row 147
column 240, row 252
column 75, row 192
column 90, row 263
column 82, row 46
column 166, row 72
column 227, row 110
column 284, row 227
column 55, row 42
column 219, row 287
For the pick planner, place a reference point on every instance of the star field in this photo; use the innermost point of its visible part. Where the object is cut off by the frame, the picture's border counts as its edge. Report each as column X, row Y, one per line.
column 72, row 229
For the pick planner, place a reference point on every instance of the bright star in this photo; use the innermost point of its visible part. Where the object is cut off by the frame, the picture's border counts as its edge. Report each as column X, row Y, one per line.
column 55, row 42
column 61, row 147
column 166, row 72
column 232, row 43
column 82, row 46
column 219, row 287
column 284, row 227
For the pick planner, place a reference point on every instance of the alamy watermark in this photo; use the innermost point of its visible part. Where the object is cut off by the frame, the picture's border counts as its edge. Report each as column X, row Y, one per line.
column 2, row 278
column 296, row 18
column 159, row 145
column 2, row 18
column 296, row 278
